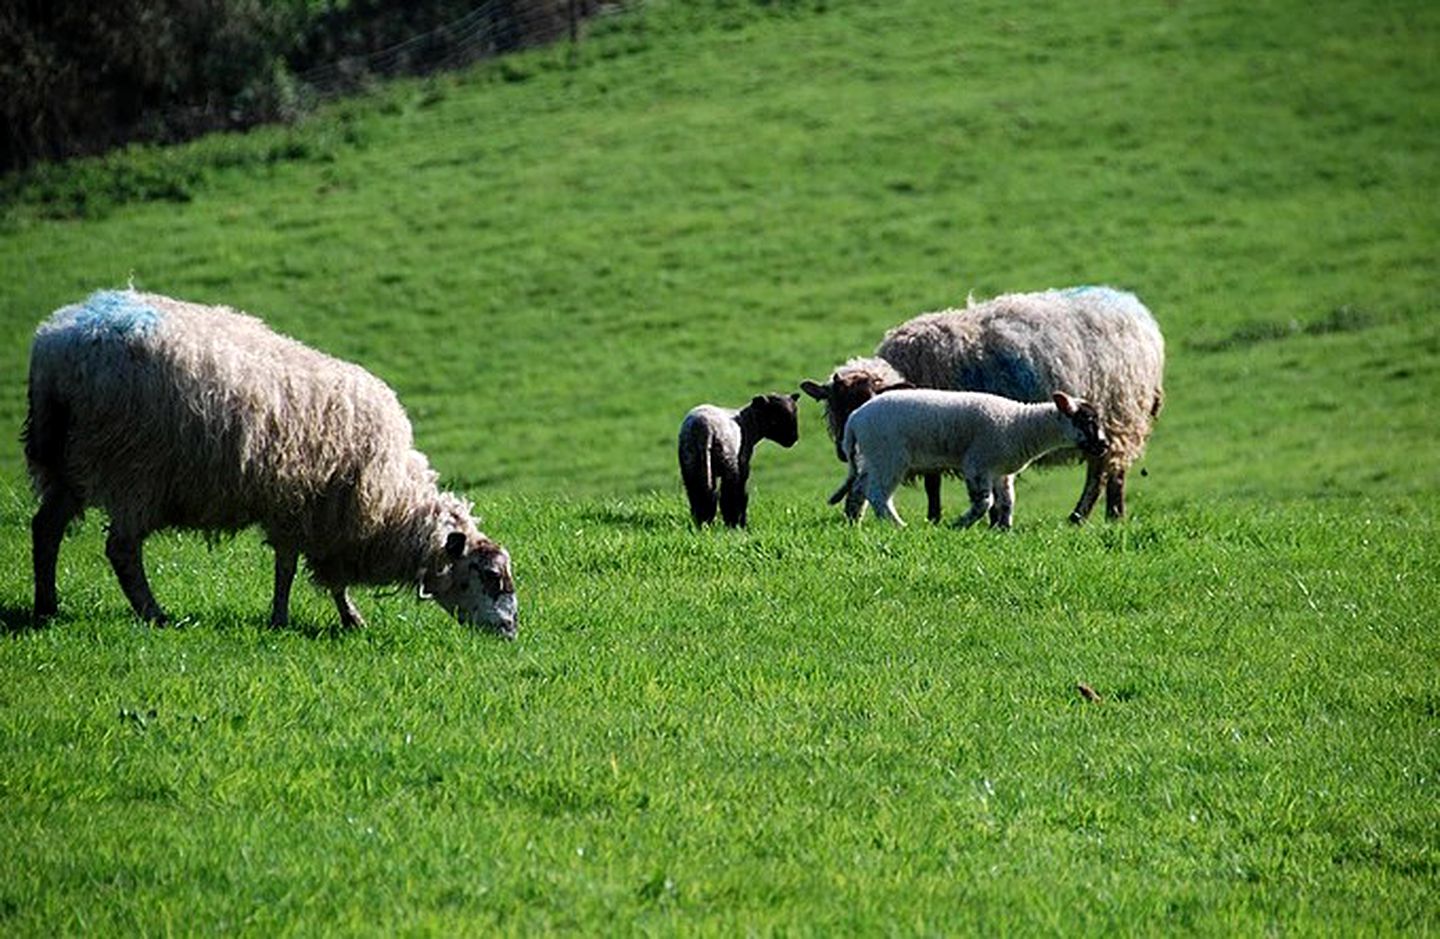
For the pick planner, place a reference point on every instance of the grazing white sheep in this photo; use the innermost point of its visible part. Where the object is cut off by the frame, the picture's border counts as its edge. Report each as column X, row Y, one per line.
column 985, row 438
column 175, row 415
column 715, row 447
column 1097, row 342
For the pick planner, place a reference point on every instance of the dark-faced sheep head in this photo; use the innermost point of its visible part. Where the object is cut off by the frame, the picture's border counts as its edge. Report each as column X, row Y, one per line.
column 472, row 581
column 777, row 418
column 843, row 394
column 1083, row 424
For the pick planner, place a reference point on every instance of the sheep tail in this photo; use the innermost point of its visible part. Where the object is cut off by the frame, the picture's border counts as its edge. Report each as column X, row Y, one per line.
column 47, row 427
column 696, row 472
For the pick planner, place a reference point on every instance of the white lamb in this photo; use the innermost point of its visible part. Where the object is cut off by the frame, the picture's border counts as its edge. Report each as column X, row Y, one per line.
column 985, row 438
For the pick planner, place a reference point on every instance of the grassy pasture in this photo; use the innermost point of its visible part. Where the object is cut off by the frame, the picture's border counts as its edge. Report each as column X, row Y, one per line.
column 806, row 727
column 777, row 748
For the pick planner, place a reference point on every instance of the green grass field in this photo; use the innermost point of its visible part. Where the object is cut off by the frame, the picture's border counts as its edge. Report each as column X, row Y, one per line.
column 806, row 728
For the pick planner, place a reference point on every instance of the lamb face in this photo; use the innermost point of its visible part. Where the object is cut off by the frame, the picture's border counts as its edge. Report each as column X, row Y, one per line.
column 476, row 586
column 778, row 418
column 1083, row 424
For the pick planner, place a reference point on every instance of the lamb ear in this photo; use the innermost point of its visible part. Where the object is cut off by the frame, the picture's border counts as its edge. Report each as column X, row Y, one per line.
column 455, row 545
column 1064, row 402
column 794, row 396
column 816, row 391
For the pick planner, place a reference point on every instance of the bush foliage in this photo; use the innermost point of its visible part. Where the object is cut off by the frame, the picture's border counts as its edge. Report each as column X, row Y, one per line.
column 79, row 77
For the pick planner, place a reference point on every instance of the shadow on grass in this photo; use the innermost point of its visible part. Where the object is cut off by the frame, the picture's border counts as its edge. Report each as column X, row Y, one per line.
column 327, row 630
column 17, row 620
column 634, row 517
column 241, row 622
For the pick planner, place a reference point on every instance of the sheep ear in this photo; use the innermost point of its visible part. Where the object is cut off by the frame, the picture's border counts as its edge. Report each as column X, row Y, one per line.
column 455, row 545
column 816, row 391
column 758, row 401
column 1064, row 402
column 794, row 396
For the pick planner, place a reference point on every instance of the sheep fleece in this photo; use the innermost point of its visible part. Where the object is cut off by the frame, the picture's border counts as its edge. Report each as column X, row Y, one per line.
column 1097, row 342
column 192, row 416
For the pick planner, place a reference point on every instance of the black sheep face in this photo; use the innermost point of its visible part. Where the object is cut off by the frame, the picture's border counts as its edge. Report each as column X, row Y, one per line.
column 842, row 396
column 777, row 417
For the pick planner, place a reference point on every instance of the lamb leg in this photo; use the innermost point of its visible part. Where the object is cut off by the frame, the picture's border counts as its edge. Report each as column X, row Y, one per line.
column 932, row 497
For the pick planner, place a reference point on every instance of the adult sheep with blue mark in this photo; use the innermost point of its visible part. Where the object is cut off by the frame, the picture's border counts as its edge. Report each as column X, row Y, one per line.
column 1096, row 342
column 169, row 414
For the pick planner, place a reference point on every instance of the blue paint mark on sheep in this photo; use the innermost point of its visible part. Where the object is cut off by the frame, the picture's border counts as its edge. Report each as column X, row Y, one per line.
column 1003, row 373
column 1104, row 294
column 114, row 314
column 1084, row 289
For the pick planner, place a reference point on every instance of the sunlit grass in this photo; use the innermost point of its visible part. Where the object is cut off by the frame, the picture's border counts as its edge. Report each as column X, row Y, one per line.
column 806, row 724
column 807, row 727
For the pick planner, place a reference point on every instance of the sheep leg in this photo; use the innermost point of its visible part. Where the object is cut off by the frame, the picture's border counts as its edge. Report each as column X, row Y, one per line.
column 286, row 559
column 702, row 505
column 932, row 497
column 350, row 617
column 980, row 500
column 699, row 489
column 1002, row 512
column 1115, row 495
column 855, row 498
column 734, row 501
column 882, row 501
column 850, row 491
column 1094, row 476
column 126, row 554
column 47, row 529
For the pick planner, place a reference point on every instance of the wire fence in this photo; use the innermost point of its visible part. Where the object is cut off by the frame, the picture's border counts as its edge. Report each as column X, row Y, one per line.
column 73, row 106
column 492, row 28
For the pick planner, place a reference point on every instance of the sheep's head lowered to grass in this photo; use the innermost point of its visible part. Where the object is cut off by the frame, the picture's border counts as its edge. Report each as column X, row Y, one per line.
column 473, row 583
column 170, row 414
